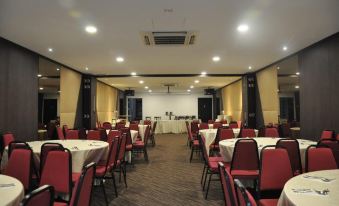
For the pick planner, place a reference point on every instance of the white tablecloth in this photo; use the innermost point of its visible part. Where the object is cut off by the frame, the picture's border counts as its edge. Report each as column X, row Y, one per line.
column 171, row 126
column 10, row 195
column 210, row 135
column 227, row 146
column 290, row 198
column 83, row 151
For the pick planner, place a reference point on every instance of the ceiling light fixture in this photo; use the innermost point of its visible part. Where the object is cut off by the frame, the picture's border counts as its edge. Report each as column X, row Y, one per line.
column 297, row 86
column 196, row 81
column 243, row 28
column 188, row 90
column 285, row 48
column 133, row 73
column 120, row 59
column 41, row 88
column 141, row 81
column 150, row 90
column 191, row 86
column 278, row 68
column 86, row 68
column 57, row 69
column 50, row 49
column 216, row 58
column 298, row 73
column 249, row 67
column 146, row 87
column 91, row 29
column 39, row 75
column 203, row 73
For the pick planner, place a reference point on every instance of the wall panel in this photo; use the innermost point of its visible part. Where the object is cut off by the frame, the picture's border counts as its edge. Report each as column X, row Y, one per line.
column 232, row 100
column 106, row 102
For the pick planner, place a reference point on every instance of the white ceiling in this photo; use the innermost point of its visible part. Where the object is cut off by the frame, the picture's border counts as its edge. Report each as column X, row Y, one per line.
column 182, row 84
column 39, row 24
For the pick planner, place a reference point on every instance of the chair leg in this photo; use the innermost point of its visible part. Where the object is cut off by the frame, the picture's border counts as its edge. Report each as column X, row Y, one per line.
column 103, row 190
column 191, row 154
column 145, row 155
column 153, row 141
column 124, row 173
column 208, row 185
column 202, row 176
column 206, row 173
column 114, row 185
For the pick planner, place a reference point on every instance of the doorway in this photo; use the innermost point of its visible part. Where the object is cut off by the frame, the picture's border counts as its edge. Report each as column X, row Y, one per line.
column 50, row 110
column 134, row 109
column 287, row 108
column 205, row 109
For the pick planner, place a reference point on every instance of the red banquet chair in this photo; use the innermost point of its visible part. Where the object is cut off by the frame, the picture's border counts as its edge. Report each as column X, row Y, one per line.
column 217, row 125
column 120, row 125
column 244, row 197
column 65, row 129
column 42, row 196
column 194, row 144
column 45, row 149
column 327, row 134
column 227, row 185
column 72, row 134
column 222, row 134
column 93, row 135
column 337, row 138
column 245, row 160
column 319, row 158
column 211, row 121
column 107, row 125
column 233, row 125
column 195, row 128
column 292, row 147
column 83, row 188
column 271, row 132
column 141, row 146
column 224, row 121
column 152, row 133
column 148, row 122
column 333, row 144
column 60, row 133
column 112, row 135
column 134, row 127
column 247, row 133
column 275, row 171
column 203, row 126
column 120, row 161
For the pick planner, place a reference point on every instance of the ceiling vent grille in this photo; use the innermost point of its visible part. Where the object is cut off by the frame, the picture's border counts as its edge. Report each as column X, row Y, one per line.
column 169, row 38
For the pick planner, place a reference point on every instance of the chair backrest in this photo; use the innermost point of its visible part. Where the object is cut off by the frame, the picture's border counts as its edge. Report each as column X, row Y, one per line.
column 122, row 147
column 45, row 149
column 271, row 132
column 275, row 169
column 227, row 185
column 107, row 125
column 60, row 133
column 154, row 127
column 134, row 127
column 202, row 142
column 211, row 121
column 327, row 134
column 245, row 155
column 135, row 122
column 120, row 125
column 194, row 127
column 93, row 135
column 337, row 138
column 233, row 125
column 43, row 196
column 224, row 121
column 72, row 134
column 226, row 134
column 112, row 154
column 319, row 158
column 244, row 197
column 189, row 134
column 246, row 132
column 7, row 138
column 19, row 166
column 292, row 147
column 16, row 145
column 148, row 122
column 65, row 129
column 217, row 125
column 203, row 126
column 112, row 135
column 147, row 133
column 58, row 175
column 83, row 189
column 126, row 130
column 51, row 131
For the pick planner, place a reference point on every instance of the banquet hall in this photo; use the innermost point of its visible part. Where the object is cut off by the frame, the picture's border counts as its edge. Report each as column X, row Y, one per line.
column 187, row 102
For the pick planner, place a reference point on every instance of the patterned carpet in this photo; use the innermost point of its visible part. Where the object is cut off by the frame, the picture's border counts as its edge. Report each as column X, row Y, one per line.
column 168, row 179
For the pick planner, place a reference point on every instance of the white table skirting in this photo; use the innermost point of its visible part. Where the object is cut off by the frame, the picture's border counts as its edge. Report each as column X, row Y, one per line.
column 10, row 195
column 171, row 126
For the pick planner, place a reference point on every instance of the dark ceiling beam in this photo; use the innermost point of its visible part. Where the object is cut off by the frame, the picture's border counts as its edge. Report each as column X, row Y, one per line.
column 169, row 75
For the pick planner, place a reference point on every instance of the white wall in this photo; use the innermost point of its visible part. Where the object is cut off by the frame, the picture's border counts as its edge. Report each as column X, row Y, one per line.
column 178, row 104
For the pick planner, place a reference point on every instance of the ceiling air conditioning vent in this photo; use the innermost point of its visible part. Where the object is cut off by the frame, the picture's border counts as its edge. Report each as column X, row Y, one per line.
column 169, row 38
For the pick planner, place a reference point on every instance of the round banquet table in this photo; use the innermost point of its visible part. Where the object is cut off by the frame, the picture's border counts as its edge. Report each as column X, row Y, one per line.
column 227, row 146
column 142, row 129
column 210, row 135
column 11, row 191
column 290, row 195
column 83, row 151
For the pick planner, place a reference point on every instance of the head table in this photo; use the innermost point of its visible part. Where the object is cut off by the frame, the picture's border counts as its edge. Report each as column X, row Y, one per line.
column 11, row 191
column 210, row 135
column 304, row 189
column 83, row 151
column 227, row 146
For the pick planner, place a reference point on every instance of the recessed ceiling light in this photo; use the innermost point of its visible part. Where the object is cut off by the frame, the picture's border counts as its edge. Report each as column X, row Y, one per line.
column 285, row 48
column 57, row 69
column 141, row 81
column 203, row 73
column 39, row 75
column 50, row 49
column 133, row 73
column 216, row 58
column 250, row 67
column 191, row 86
column 298, row 73
column 149, row 90
column 120, row 59
column 188, row 90
column 59, row 91
column 86, row 68
column 297, row 86
column 243, row 28
column 196, row 81
column 146, row 87
column 41, row 88
column 278, row 67
column 91, row 29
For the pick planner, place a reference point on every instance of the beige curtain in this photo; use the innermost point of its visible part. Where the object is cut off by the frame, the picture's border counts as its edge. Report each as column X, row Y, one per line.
column 232, row 100
column 70, row 82
column 106, row 102
column 267, row 81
